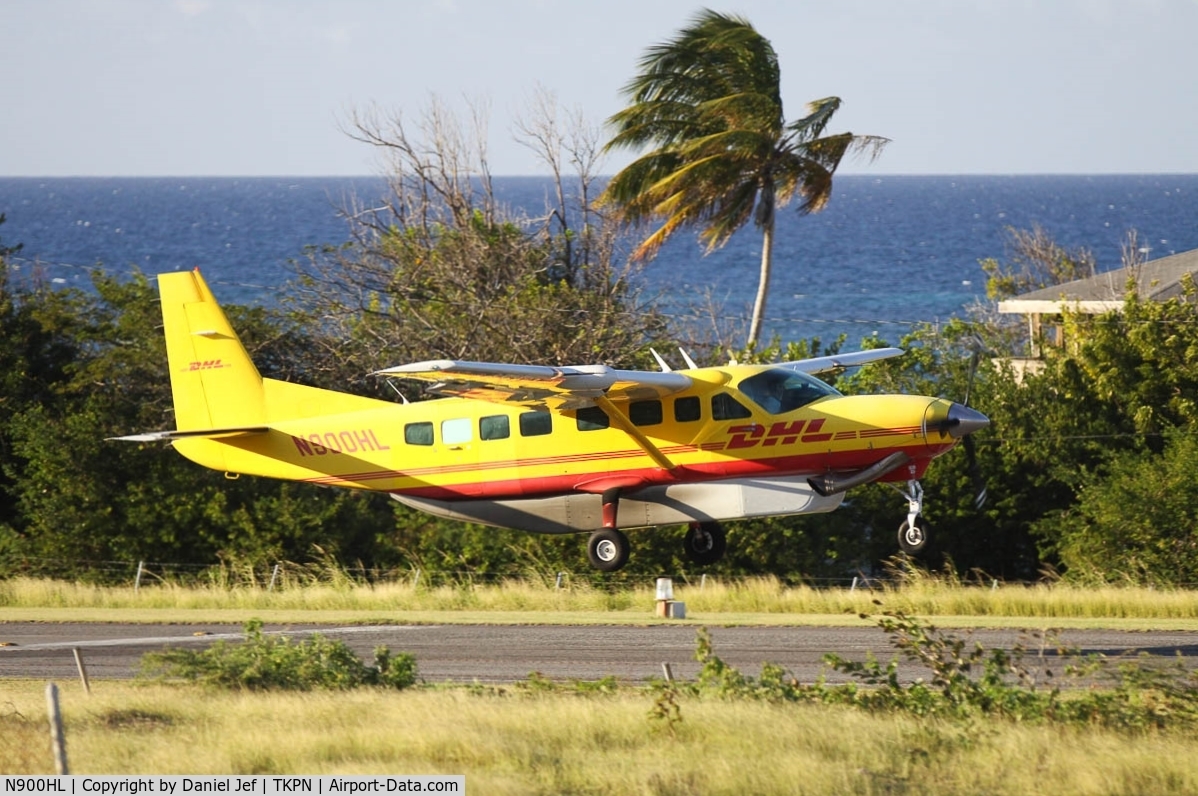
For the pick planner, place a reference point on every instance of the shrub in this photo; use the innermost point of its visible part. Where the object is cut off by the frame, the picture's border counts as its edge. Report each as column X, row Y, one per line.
column 263, row 663
column 969, row 681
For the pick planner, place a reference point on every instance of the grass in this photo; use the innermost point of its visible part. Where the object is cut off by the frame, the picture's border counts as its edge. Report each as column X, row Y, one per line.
column 724, row 734
column 529, row 741
column 751, row 601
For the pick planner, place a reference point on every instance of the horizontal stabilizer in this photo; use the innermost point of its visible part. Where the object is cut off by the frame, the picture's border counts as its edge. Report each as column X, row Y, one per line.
column 198, row 433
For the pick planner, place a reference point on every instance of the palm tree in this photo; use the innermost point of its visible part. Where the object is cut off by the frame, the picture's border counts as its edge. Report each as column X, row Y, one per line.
column 708, row 102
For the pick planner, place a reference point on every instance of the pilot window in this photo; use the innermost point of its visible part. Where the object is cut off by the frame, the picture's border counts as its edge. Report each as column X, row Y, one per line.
column 645, row 413
column 592, row 418
column 536, row 424
column 688, row 409
column 457, row 431
column 725, row 407
column 494, row 427
column 418, row 433
column 778, row 391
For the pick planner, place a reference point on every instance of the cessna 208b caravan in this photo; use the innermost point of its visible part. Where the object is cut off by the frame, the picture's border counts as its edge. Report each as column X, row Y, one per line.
column 560, row 449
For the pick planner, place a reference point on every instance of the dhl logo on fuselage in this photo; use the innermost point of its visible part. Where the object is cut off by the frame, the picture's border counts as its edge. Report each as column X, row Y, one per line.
column 788, row 433
column 782, row 433
column 356, row 440
column 207, row 364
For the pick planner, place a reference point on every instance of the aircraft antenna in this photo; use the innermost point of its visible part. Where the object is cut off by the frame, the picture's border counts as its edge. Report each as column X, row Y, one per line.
column 664, row 367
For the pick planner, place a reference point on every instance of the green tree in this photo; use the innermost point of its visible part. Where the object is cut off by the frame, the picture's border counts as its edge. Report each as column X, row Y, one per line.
column 37, row 348
column 708, row 103
column 78, row 501
column 1135, row 519
column 949, row 361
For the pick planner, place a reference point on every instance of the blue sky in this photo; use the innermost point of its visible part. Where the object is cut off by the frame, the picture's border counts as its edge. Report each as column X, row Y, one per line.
column 263, row 87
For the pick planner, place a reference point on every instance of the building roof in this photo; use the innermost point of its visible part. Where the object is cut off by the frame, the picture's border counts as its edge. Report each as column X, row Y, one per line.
column 1157, row 280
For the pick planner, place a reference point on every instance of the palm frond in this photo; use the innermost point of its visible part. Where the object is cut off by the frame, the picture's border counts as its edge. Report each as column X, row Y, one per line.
column 707, row 103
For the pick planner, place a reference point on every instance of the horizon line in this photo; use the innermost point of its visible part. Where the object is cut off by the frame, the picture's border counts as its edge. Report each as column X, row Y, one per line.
column 182, row 176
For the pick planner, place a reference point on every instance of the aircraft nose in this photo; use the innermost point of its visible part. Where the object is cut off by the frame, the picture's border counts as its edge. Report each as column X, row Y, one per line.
column 963, row 421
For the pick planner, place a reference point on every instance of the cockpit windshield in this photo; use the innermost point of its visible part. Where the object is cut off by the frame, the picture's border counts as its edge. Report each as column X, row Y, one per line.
column 778, row 390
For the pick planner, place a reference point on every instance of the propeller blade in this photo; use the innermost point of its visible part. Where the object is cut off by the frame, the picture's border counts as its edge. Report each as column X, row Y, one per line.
column 975, row 473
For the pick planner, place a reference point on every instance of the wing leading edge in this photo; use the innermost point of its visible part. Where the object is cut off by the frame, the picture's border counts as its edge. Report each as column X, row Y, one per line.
column 572, row 387
column 838, row 361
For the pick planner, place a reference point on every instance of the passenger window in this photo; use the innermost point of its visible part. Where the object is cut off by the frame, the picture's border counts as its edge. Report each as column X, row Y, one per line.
column 456, row 431
column 418, row 433
column 494, row 427
column 688, row 409
column 592, row 418
column 645, row 413
column 725, row 407
column 536, row 424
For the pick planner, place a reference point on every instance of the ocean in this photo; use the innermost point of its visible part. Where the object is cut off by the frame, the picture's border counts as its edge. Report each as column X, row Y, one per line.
column 887, row 253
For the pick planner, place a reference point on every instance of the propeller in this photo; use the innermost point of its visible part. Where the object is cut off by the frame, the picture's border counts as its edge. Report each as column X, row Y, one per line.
column 971, row 455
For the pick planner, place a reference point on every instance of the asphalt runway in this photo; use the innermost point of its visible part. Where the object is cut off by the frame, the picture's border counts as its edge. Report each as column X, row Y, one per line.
column 505, row 653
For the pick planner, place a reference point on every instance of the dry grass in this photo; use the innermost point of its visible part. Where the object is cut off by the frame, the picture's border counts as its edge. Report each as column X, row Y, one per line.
column 513, row 742
column 744, row 601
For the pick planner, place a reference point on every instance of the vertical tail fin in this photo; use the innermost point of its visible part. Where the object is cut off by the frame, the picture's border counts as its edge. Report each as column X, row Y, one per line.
column 213, row 380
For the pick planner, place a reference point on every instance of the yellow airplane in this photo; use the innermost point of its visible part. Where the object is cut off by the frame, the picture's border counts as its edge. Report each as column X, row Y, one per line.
column 560, row 449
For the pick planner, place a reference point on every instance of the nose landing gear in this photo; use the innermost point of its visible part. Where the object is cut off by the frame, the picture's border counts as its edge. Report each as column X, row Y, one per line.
column 913, row 533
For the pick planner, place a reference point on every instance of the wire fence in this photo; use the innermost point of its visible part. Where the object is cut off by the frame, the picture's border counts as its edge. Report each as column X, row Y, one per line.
column 281, row 575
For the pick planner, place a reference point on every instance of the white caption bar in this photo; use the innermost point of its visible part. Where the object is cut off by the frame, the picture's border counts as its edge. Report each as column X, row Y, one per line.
column 176, row 785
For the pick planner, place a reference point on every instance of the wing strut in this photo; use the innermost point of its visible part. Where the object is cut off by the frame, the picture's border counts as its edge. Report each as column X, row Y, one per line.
column 626, row 425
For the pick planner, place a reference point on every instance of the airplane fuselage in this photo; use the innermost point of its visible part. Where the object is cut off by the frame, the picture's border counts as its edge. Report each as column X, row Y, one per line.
column 722, row 453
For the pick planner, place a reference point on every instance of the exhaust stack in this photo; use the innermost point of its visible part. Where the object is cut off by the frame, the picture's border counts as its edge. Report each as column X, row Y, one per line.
column 829, row 484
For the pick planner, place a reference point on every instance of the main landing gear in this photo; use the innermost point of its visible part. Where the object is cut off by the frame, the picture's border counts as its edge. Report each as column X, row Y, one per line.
column 608, row 547
column 913, row 533
column 705, row 542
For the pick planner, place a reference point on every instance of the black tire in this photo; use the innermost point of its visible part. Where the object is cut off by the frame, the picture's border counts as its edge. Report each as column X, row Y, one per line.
column 608, row 550
column 913, row 540
column 705, row 543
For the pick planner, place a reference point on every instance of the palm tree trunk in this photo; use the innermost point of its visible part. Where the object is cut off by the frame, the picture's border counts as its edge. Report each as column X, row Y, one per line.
column 763, row 282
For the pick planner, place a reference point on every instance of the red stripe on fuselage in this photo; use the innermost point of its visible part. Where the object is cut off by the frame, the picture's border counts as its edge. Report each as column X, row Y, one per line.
column 535, row 486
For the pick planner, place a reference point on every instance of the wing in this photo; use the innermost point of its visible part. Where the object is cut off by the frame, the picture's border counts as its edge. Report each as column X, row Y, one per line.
column 838, row 361
column 540, row 385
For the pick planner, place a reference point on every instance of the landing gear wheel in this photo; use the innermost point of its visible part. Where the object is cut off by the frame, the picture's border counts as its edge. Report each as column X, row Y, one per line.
column 608, row 550
column 705, row 542
column 913, row 538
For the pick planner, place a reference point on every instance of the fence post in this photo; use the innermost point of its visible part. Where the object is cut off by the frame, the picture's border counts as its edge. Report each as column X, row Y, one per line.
column 274, row 576
column 87, row 686
column 141, row 565
column 58, row 741
column 559, row 581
